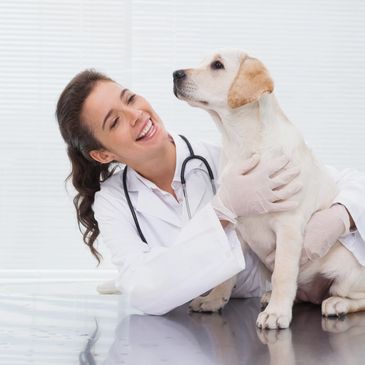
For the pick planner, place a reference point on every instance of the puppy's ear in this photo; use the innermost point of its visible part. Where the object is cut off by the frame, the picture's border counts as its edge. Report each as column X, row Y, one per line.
column 251, row 81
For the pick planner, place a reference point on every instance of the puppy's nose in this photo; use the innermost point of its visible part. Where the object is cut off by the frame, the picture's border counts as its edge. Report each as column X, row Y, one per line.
column 179, row 74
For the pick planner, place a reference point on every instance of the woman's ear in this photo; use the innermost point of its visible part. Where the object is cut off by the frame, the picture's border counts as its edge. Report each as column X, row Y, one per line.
column 102, row 156
column 251, row 81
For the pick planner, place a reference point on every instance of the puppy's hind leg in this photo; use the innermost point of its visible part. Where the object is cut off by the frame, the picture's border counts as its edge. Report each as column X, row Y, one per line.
column 217, row 298
column 338, row 306
column 344, row 303
column 348, row 288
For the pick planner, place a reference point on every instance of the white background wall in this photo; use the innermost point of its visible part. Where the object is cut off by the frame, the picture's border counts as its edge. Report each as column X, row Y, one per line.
column 314, row 51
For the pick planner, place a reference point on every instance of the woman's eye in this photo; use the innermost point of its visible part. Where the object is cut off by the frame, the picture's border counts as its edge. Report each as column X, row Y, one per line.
column 114, row 123
column 131, row 98
column 216, row 65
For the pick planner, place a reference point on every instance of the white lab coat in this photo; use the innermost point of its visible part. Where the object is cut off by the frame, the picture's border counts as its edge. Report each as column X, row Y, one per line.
column 186, row 258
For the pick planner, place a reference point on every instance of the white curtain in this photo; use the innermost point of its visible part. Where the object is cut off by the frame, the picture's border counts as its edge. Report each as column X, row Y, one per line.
column 314, row 51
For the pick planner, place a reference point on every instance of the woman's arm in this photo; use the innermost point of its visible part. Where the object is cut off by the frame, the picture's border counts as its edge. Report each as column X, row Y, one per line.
column 158, row 279
column 351, row 185
column 346, row 215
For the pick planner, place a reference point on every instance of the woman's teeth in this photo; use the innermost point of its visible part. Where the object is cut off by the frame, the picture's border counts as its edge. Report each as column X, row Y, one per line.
column 145, row 130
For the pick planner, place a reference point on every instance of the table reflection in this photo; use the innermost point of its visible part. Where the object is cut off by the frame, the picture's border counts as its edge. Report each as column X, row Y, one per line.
column 231, row 338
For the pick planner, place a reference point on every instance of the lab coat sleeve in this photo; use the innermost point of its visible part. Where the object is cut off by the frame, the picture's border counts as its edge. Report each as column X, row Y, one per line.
column 351, row 187
column 156, row 280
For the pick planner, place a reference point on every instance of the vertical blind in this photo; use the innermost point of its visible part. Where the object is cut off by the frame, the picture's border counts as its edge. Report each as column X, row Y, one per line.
column 314, row 51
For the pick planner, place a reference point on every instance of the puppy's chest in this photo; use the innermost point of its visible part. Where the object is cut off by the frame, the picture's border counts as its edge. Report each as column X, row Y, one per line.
column 258, row 234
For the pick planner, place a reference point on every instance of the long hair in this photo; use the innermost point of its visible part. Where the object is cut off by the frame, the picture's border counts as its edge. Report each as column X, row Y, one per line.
column 86, row 173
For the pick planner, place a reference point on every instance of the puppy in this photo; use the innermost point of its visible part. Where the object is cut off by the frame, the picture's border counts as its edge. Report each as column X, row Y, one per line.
column 237, row 91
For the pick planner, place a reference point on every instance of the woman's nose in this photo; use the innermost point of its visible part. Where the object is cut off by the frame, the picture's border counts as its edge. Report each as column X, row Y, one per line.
column 134, row 115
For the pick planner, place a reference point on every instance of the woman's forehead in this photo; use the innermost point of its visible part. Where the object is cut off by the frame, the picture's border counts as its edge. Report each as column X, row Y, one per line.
column 100, row 101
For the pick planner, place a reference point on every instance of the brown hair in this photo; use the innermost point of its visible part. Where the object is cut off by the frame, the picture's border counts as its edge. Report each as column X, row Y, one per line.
column 86, row 173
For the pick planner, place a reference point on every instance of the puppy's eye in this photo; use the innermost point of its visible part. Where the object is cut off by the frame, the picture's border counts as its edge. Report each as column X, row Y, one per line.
column 216, row 65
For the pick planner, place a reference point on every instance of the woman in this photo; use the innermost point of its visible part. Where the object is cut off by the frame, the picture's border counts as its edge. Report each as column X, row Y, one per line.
column 104, row 124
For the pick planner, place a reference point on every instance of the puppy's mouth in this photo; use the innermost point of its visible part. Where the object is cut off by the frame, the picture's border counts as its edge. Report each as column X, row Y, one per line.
column 180, row 94
column 176, row 91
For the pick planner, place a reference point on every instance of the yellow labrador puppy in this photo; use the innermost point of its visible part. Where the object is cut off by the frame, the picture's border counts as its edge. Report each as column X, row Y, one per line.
column 237, row 91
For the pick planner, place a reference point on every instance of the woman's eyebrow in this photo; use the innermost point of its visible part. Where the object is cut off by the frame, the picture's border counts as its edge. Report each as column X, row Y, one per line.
column 110, row 111
column 122, row 93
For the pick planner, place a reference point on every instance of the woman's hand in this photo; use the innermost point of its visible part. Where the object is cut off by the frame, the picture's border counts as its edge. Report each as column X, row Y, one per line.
column 252, row 188
column 323, row 230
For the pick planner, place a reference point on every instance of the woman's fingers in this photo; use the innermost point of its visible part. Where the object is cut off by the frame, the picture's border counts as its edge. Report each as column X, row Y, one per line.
column 277, row 164
column 284, row 177
column 279, row 202
column 287, row 191
column 282, row 206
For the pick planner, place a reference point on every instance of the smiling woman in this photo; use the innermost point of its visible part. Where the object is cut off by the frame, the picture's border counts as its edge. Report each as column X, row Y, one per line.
column 103, row 123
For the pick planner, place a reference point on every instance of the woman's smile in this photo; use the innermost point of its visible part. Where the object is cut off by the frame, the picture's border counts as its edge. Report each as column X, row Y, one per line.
column 148, row 132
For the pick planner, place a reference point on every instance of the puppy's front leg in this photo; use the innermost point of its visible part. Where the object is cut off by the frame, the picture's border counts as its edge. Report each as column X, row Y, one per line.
column 278, row 313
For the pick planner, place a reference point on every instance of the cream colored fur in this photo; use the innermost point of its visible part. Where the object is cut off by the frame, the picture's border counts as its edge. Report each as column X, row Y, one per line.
column 240, row 100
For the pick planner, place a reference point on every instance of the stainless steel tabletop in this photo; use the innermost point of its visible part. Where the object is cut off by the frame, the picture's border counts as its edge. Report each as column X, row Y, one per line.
column 232, row 338
column 93, row 329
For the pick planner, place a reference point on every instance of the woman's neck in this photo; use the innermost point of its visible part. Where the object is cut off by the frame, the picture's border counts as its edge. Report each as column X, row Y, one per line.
column 161, row 168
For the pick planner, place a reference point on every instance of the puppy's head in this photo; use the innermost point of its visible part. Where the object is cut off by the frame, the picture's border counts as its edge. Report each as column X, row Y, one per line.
column 226, row 79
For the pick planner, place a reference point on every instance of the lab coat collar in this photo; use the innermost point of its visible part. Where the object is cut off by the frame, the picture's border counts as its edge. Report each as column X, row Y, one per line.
column 147, row 202
column 182, row 152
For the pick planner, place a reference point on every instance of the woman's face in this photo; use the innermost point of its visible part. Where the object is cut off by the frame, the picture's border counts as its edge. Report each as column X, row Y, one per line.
column 124, row 123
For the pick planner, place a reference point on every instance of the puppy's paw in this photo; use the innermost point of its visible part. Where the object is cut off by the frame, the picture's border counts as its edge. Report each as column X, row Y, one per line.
column 265, row 299
column 335, row 306
column 208, row 304
column 273, row 337
column 273, row 319
column 335, row 324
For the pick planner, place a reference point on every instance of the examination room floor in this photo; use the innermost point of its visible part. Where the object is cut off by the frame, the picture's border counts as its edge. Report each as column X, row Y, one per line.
column 69, row 323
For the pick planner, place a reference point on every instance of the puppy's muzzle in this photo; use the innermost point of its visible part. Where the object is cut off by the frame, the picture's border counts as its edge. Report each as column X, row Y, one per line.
column 178, row 76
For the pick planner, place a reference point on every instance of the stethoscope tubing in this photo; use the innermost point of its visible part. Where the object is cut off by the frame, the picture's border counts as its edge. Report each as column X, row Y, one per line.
column 183, row 183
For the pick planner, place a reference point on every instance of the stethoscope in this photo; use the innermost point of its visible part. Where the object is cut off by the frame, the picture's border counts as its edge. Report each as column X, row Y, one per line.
column 183, row 184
